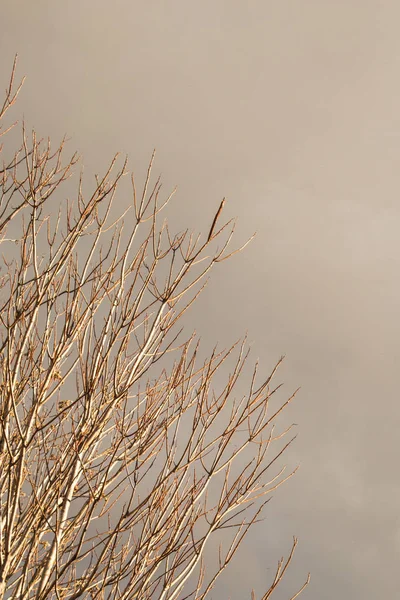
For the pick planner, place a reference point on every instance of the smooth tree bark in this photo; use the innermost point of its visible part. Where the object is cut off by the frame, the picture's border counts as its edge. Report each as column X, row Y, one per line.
column 123, row 452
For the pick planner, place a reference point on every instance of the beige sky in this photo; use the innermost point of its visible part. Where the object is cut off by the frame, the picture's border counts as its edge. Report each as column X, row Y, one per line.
column 290, row 109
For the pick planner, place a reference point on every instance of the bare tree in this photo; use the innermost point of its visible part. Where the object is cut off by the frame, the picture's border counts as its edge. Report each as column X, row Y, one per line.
column 119, row 459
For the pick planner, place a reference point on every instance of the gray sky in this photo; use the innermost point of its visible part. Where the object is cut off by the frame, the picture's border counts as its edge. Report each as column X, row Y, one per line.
column 291, row 110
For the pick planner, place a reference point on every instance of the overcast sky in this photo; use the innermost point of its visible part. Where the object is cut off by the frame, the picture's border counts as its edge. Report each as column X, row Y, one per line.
column 290, row 109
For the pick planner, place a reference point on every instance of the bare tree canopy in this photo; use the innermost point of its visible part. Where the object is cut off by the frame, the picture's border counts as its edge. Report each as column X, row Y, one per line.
column 122, row 455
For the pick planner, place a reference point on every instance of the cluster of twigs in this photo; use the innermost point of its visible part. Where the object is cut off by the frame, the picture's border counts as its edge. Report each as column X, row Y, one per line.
column 114, row 473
